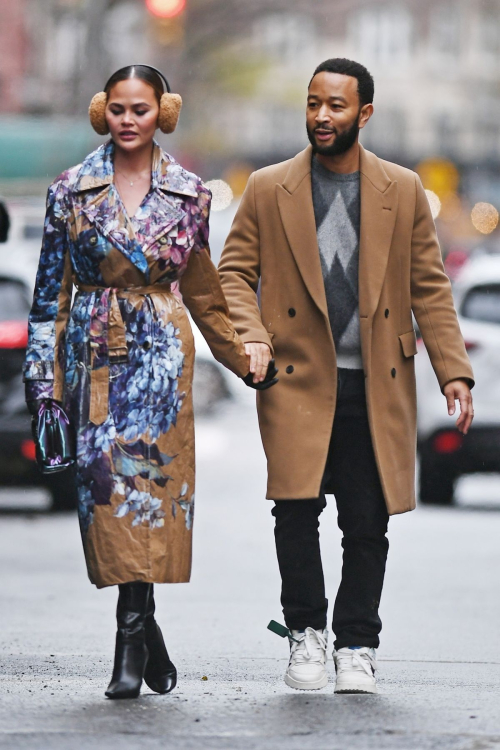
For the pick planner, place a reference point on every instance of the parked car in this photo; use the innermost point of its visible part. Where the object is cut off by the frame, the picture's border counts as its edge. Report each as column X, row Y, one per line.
column 444, row 453
column 17, row 449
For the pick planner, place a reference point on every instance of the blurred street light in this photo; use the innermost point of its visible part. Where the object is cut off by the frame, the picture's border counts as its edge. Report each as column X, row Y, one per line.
column 222, row 195
column 484, row 217
column 237, row 176
column 439, row 175
column 167, row 21
column 434, row 203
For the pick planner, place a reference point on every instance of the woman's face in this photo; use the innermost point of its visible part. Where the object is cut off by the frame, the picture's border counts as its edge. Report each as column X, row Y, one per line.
column 132, row 113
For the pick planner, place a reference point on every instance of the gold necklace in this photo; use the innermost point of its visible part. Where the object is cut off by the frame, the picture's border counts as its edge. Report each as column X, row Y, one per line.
column 139, row 176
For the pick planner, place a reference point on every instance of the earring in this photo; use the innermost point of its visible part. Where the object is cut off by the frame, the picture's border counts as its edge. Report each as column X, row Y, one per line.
column 170, row 107
column 97, row 113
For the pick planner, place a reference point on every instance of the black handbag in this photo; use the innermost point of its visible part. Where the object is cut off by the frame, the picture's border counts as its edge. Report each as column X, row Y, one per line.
column 54, row 438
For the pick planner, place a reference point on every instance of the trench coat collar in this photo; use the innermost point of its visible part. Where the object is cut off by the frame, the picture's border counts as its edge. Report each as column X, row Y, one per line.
column 379, row 200
column 104, row 209
column 97, row 170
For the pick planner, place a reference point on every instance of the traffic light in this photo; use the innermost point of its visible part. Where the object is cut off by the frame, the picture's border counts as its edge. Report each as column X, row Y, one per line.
column 167, row 21
column 165, row 8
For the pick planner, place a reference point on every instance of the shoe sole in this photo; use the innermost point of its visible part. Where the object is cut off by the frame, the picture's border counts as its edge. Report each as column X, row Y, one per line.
column 356, row 691
column 306, row 685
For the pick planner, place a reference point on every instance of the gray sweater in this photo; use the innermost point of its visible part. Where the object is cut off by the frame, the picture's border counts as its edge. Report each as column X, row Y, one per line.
column 336, row 200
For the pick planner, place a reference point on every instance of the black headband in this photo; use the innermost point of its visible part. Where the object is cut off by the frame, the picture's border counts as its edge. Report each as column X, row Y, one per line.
column 141, row 65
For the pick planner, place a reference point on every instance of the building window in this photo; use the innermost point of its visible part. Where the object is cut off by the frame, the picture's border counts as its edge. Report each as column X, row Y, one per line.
column 383, row 35
column 286, row 36
column 489, row 30
column 446, row 31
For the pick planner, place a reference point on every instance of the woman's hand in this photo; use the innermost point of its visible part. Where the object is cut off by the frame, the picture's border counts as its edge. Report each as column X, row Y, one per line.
column 260, row 356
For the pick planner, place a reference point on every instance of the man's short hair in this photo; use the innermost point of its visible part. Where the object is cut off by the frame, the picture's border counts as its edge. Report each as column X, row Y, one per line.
column 366, row 86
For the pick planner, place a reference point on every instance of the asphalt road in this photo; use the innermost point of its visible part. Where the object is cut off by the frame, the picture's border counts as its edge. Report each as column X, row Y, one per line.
column 439, row 659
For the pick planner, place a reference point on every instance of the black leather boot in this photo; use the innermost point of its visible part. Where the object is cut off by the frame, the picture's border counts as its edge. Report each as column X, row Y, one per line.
column 131, row 653
column 160, row 674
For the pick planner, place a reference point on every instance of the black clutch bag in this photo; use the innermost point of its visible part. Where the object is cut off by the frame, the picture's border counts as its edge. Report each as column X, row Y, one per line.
column 54, row 438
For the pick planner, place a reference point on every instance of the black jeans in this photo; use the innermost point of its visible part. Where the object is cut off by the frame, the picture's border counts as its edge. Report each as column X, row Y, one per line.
column 351, row 474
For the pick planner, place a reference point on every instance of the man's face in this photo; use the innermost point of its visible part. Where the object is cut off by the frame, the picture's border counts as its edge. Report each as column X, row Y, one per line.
column 333, row 114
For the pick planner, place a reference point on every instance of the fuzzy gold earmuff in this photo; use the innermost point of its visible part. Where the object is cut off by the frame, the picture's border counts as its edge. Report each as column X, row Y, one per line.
column 170, row 107
column 97, row 113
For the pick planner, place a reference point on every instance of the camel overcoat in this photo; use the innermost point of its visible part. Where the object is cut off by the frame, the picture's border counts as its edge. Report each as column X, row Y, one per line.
column 273, row 244
column 121, row 357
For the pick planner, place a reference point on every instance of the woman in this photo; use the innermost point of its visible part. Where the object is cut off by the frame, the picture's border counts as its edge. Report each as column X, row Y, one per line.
column 122, row 226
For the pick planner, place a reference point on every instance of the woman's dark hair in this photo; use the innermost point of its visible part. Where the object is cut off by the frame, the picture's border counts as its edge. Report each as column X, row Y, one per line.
column 366, row 87
column 144, row 73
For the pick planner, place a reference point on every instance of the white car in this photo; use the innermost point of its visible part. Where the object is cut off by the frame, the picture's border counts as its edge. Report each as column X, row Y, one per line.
column 444, row 453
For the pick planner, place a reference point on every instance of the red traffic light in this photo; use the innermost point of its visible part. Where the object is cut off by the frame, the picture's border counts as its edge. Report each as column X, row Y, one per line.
column 165, row 8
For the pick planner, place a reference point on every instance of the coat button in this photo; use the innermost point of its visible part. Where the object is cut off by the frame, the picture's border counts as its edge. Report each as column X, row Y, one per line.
column 146, row 345
column 163, row 240
column 386, row 313
column 393, row 372
column 292, row 312
column 289, row 369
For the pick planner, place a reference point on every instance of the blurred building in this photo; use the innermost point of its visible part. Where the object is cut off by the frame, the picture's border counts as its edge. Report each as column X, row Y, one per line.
column 435, row 64
column 243, row 69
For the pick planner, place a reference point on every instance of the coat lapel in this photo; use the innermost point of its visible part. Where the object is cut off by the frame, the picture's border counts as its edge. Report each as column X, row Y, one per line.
column 163, row 213
column 105, row 212
column 171, row 184
column 295, row 204
column 379, row 204
column 102, row 207
column 100, row 204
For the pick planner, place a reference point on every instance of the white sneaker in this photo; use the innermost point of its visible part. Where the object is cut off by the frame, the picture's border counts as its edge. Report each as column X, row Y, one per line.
column 355, row 669
column 306, row 668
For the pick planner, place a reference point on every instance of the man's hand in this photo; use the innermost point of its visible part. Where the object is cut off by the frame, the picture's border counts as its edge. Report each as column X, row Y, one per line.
column 260, row 356
column 459, row 390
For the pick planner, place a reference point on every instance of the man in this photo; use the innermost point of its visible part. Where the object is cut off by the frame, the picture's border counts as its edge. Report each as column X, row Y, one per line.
column 345, row 249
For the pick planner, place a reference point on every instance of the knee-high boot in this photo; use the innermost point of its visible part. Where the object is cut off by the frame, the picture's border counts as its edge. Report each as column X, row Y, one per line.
column 131, row 653
column 160, row 674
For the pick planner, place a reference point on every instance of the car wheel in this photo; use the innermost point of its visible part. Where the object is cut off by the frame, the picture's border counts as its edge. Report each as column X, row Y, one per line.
column 62, row 487
column 436, row 484
column 209, row 387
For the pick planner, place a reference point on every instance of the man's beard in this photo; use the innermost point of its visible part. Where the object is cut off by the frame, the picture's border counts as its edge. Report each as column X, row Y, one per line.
column 342, row 143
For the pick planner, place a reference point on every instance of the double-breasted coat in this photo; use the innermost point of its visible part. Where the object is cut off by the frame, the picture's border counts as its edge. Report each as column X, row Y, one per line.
column 273, row 243
column 121, row 357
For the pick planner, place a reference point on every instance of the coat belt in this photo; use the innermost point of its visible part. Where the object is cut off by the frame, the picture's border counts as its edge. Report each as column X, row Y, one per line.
column 108, row 342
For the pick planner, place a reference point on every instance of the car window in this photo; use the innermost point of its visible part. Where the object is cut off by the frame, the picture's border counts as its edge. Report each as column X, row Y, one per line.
column 482, row 303
column 14, row 302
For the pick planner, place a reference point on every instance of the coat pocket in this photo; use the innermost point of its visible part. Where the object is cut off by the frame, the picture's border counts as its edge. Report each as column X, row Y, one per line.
column 408, row 343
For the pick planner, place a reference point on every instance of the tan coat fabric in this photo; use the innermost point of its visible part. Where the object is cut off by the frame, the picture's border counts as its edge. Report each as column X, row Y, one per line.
column 273, row 239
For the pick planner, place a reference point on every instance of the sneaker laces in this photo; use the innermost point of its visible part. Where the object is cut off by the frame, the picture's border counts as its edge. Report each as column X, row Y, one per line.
column 357, row 658
column 309, row 643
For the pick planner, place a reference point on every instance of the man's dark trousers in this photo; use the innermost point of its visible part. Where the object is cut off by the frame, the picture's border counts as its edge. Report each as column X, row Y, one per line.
column 352, row 475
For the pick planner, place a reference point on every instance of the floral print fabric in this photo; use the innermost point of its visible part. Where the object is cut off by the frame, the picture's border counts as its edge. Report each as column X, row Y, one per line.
column 135, row 465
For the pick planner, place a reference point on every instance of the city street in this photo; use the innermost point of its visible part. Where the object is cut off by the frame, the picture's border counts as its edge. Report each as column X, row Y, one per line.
column 439, row 660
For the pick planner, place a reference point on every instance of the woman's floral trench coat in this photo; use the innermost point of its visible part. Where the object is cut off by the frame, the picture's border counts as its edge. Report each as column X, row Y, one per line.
column 121, row 359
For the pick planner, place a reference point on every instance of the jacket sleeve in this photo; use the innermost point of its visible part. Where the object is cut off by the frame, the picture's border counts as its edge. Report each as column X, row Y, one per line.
column 239, row 270
column 203, row 296
column 432, row 301
column 51, row 305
